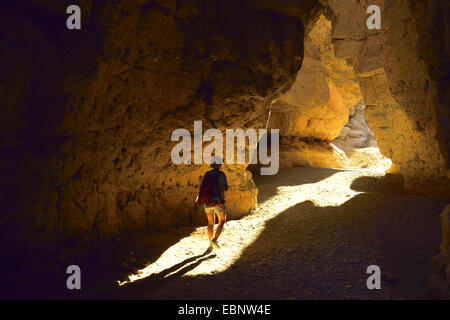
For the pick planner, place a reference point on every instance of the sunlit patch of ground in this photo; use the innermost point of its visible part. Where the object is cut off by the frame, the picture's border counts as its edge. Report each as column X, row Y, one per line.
column 239, row 234
column 370, row 158
column 312, row 237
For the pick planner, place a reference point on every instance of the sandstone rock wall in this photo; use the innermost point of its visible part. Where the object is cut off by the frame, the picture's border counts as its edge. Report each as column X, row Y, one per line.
column 400, row 92
column 316, row 108
column 358, row 143
column 402, row 71
column 356, row 133
column 87, row 115
column 317, row 105
column 439, row 283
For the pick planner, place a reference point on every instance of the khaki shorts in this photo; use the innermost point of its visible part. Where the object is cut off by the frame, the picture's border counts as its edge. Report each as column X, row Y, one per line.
column 215, row 209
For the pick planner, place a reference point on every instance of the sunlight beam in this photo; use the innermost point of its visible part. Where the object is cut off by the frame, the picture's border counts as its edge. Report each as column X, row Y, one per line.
column 332, row 191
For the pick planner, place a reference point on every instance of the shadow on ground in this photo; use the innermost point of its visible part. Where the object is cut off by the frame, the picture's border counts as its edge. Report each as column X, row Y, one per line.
column 115, row 261
column 163, row 278
column 311, row 252
column 296, row 177
column 305, row 252
column 388, row 183
column 42, row 274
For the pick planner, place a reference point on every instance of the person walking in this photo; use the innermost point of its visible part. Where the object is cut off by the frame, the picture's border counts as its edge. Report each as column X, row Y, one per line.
column 212, row 197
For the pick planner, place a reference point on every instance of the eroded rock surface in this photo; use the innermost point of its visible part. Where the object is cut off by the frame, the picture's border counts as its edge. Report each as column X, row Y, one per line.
column 397, row 82
column 325, row 89
column 89, row 114
column 401, row 70
column 439, row 283
column 317, row 106
column 356, row 133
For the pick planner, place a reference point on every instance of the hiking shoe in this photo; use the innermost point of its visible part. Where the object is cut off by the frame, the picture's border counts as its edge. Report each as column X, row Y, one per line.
column 215, row 244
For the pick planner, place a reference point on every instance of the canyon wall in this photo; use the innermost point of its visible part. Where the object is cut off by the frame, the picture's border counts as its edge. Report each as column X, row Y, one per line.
column 87, row 115
column 356, row 133
column 439, row 283
column 403, row 70
column 400, row 71
column 316, row 108
column 400, row 84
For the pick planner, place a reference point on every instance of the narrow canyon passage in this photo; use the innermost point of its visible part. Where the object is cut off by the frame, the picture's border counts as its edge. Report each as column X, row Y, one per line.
column 313, row 235
column 108, row 130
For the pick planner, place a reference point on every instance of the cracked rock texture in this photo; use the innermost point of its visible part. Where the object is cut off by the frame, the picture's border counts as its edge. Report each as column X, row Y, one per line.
column 356, row 133
column 439, row 283
column 401, row 70
column 316, row 108
column 87, row 115
column 317, row 105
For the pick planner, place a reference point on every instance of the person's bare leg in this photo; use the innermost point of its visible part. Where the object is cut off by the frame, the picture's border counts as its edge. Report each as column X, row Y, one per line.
column 222, row 219
column 211, row 221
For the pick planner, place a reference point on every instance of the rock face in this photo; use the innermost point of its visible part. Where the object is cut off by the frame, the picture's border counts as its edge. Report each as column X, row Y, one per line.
column 356, row 133
column 87, row 115
column 439, row 283
column 298, row 153
column 401, row 71
column 316, row 108
column 358, row 143
column 397, row 81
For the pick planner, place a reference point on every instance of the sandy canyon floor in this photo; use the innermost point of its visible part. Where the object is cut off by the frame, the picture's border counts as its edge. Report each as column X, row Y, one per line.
column 313, row 236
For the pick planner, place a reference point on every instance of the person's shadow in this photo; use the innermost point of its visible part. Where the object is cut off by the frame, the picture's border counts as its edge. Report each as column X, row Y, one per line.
column 157, row 280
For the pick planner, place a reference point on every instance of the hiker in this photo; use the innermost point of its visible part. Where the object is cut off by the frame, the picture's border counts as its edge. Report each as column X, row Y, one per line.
column 212, row 197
